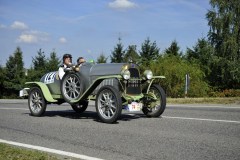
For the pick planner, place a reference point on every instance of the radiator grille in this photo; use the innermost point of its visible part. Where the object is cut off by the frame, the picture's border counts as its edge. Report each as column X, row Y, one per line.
column 133, row 84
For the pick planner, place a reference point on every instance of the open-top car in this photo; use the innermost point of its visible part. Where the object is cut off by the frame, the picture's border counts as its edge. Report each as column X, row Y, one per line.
column 113, row 87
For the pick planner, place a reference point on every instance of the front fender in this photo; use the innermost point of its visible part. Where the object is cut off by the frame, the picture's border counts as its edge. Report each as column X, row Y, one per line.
column 153, row 78
column 91, row 88
column 46, row 93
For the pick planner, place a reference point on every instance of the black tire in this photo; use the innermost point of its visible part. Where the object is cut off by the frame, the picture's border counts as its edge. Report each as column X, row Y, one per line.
column 108, row 104
column 71, row 87
column 80, row 107
column 36, row 102
column 160, row 105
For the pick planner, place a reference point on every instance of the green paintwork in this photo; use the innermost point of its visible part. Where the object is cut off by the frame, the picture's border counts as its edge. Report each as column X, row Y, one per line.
column 151, row 81
column 155, row 77
column 132, row 97
column 57, row 96
column 46, row 93
column 94, row 85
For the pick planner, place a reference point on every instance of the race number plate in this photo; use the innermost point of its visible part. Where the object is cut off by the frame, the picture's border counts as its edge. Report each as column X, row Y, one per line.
column 134, row 106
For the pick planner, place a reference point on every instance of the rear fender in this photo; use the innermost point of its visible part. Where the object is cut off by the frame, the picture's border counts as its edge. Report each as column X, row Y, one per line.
column 46, row 93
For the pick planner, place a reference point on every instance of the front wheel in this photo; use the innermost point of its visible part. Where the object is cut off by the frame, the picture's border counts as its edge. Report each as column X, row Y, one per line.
column 155, row 102
column 36, row 102
column 108, row 104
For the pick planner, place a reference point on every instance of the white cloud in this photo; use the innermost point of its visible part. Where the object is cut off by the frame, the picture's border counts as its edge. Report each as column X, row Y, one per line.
column 122, row 4
column 33, row 37
column 2, row 26
column 19, row 25
column 62, row 40
column 27, row 38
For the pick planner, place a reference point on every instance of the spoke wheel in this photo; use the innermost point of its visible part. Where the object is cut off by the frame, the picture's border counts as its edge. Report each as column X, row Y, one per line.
column 80, row 107
column 36, row 102
column 155, row 106
column 71, row 87
column 108, row 104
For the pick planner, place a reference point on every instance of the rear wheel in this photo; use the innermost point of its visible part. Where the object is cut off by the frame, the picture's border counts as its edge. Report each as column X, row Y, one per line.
column 108, row 104
column 36, row 102
column 80, row 107
column 155, row 103
column 71, row 87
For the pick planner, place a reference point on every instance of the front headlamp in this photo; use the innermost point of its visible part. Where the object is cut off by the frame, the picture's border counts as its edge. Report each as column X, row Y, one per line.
column 126, row 74
column 148, row 74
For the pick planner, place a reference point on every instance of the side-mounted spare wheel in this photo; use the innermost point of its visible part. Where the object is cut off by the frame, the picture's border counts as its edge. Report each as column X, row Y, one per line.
column 108, row 104
column 36, row 102
column 155, row 104
column 71, row 87
column 80, row 107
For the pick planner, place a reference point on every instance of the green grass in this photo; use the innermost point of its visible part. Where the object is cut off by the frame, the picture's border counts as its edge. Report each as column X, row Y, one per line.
column 218, row 100
column 8, row 152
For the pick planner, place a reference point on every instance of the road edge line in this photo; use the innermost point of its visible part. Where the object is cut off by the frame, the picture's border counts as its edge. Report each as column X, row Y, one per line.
column 201, row 119
column 49, row 150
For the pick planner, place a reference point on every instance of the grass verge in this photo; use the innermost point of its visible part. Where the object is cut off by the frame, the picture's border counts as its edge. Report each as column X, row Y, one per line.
column 8, row 152
column 206, row 100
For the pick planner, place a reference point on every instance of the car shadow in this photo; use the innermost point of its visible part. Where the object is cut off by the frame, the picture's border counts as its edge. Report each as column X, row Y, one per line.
column 89, row 115
column 71, row 114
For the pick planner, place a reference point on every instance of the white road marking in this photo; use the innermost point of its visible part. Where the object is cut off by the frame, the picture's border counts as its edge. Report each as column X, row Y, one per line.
column 15, row 109
column 200, row 119
column 196, row 106
column 44, row 149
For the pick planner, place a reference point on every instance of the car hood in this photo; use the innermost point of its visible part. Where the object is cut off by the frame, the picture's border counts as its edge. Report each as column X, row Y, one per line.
column 106, row 69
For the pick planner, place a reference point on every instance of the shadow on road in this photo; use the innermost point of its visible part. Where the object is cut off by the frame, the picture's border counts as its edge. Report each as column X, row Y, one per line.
column 88, row 115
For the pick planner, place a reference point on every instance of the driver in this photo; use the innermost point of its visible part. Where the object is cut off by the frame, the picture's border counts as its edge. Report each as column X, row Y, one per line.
column 67, row 60
column 80, row 61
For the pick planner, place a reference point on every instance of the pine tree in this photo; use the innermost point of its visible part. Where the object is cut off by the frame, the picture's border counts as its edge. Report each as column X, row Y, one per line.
column 53, row 62
column 102, row 58
column 14, row 73
column 149, row 52
column 173, row 50
column 39, row 68
column 118, row 53
column 202, row 54
column 2, row 77
column 131, row 54
column 40, row 61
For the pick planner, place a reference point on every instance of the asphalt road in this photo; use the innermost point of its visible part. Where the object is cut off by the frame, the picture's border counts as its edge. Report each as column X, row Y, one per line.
column 183, row 132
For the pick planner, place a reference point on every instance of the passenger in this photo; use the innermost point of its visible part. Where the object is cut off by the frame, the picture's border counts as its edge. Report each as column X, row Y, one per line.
column 67, row 61
column 80, row 61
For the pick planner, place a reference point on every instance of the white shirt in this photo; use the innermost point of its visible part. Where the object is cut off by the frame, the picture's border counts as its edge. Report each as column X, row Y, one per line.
column 61, row 71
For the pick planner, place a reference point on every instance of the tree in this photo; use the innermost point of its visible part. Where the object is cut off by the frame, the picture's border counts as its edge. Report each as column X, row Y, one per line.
column 175, row 69
column 224, row 34
column 14, row 73
column 2, row 77
column 202, row 54
column 102, row 58
column 131, row 54
column 40, row 61
column 173, row 50
column 53, row 62
column 39, row 67
column 149, row 52
column 118, row 53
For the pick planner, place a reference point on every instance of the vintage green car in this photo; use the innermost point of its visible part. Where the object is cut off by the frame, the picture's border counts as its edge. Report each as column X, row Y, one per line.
column 113, row 87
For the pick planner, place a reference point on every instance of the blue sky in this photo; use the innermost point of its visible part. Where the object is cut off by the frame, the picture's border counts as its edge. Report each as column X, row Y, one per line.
column 90, row 27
